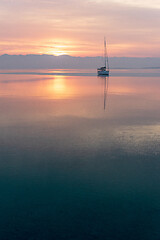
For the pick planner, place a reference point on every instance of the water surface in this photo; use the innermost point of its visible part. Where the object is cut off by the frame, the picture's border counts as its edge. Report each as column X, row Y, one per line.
column 79, row 155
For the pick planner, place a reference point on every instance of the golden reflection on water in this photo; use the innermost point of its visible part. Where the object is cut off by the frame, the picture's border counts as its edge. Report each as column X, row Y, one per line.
column 49, row 87
column 116, row 98
column 57, row 88
column 69, row 87
column 36, row 86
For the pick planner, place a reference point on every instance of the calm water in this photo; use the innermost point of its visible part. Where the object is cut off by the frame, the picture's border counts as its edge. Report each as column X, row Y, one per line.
column 80, row 155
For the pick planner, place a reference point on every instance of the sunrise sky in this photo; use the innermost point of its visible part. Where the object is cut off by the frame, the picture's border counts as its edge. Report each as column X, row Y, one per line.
column 77, row 27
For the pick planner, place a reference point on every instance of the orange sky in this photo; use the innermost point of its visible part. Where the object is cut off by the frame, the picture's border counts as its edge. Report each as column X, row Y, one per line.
column 77, row 28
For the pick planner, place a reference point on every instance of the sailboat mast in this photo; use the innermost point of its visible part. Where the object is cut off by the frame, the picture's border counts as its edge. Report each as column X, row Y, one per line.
column 105, row 69
column 105, row 53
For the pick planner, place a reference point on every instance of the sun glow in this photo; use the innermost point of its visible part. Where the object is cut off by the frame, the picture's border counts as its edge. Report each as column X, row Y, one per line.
column 59, row 86
column 59, row 50
column 59, row 53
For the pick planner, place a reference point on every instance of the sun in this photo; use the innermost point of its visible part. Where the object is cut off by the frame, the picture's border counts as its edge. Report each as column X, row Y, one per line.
column 59, row 53
column 59, row 50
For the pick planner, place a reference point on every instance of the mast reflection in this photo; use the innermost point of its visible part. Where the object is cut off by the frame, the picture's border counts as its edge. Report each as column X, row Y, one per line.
column 105, row 80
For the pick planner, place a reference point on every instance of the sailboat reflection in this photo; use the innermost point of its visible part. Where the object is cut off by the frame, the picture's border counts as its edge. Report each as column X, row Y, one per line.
column 105, row 80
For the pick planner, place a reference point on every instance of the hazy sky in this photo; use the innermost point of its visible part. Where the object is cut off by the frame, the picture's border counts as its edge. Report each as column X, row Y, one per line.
column 77, row 27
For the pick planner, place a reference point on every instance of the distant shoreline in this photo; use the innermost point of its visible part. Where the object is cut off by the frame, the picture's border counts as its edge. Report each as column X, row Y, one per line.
column 68, row 62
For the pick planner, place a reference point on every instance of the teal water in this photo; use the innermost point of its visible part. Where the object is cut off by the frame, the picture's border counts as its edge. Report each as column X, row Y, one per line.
column 80, row 155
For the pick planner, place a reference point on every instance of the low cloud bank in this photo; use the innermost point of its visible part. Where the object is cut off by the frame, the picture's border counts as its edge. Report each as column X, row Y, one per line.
column 65, row 61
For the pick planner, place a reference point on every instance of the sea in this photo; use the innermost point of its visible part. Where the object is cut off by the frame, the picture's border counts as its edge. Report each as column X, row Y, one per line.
column 79, row 154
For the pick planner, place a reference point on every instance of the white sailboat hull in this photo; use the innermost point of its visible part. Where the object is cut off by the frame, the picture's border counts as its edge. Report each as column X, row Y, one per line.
column 104, row 73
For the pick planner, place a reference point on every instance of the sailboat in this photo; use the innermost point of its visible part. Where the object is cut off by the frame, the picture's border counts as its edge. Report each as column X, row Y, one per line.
column 104, row 70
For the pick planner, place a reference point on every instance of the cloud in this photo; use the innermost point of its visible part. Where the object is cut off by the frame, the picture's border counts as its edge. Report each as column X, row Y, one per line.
column 125, row 23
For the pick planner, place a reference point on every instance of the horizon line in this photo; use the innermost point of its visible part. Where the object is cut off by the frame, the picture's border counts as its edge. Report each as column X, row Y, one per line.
column 66, row 55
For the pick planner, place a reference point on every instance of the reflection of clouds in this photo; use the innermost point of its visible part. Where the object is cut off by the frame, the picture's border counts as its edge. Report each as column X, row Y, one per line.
column 135, row 86
column 130, row 100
